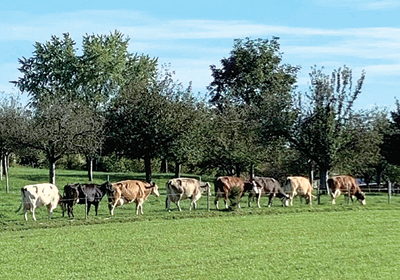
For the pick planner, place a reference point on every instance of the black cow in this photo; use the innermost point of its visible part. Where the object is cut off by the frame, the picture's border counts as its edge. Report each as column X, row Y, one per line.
column 268, row 187
column 77, row 193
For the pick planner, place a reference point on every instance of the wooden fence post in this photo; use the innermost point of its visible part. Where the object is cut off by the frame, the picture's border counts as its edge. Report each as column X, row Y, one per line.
column 389, row 191
column 86, row 206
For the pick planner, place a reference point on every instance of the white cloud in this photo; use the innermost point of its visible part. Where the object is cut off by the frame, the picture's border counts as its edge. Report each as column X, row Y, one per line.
column 362, row 4
column 383, row 69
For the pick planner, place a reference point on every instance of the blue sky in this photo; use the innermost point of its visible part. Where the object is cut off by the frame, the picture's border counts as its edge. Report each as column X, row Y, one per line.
column 192, row 35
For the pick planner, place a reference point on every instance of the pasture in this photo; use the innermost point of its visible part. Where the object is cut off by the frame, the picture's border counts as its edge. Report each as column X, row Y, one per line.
column 300, row 242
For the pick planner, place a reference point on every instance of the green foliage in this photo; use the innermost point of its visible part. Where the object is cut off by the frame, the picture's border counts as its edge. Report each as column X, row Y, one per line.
column 320, row 130
column 252, row 96
column 390, row 147
column 51, row 71
column 252, row 71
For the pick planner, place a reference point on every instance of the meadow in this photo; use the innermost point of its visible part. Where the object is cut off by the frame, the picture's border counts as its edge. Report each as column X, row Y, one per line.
column 300, row 242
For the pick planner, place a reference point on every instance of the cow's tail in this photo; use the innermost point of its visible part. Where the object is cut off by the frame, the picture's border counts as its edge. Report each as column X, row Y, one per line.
column 22, row 202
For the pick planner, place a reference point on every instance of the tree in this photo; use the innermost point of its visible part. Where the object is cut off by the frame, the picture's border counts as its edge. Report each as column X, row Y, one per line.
column 12, row 118
column 139, row 118
column 392, row 138
column 55, row 73
column 253, row 84
column 186, row 129
column 319, row 132
column 364, row 158
column 57, row 128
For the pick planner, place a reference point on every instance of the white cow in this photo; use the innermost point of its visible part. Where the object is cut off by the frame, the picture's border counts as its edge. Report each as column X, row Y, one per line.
column 182, row 188
column 39, row 195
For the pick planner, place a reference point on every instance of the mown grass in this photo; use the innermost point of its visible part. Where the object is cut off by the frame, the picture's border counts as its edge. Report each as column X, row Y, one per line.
column 300, row 242
column 323, row 245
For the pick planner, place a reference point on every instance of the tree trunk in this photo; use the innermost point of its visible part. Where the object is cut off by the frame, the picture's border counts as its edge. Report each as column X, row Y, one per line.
column 323, row 177
column 89, row 162
column 379, row 171
column 237, row 170
column 147, row 166
column 5, row 168
column 52, row 172
column 251, row 171
column 177, row 169
column 164, row 165
column 1, row 167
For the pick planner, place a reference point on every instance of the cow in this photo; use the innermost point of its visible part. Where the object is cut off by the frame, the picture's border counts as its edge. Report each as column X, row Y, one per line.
column 298, row 186
column 38, row 195
column 80, row 193
column 347, row 185
column 223, row 186
column 268, row 187
column 131, row 191
column 181, row 188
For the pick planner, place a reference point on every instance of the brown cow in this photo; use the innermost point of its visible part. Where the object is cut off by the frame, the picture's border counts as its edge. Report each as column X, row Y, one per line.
column 182, row 188
column 348, row 186
column 129, row 191
column 298, row 186
column 224, row 185
column 268, row 187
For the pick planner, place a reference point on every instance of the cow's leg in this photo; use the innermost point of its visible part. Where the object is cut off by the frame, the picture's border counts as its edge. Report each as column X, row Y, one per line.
column 33, row 213
column 49, row 210
column 335, row 195
column 226, row 201
column 192, row 203
column 216, row 201
column 309, row 199
column 141, row 207
column 177, row 204
column 167, row 203
column 111, row 208
column 270, row 199
column 26, row 214
column 88, row 208
column 96, row 206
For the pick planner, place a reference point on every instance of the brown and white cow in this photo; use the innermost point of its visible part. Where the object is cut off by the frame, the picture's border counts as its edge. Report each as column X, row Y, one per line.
column 268, row 187
column 298, row 186
column 38, row 195
column 223, row 186
column 181, row 188
column 131, row 191
column 348, row 186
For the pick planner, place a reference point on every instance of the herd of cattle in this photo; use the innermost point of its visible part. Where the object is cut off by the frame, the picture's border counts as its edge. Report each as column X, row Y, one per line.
column 177, row 189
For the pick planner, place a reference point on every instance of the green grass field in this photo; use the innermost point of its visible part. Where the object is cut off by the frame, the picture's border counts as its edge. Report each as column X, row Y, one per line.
column 300, row 242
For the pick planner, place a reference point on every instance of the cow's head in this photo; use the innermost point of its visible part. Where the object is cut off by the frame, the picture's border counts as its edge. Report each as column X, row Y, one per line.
column 360, row 197
column 154, row 189
column 107, row 188
column 205, row 188
column 71, row 194
column 252, row 187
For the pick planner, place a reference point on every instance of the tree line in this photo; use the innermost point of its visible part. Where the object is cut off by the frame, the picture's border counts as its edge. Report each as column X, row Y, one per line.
column 106, row 101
